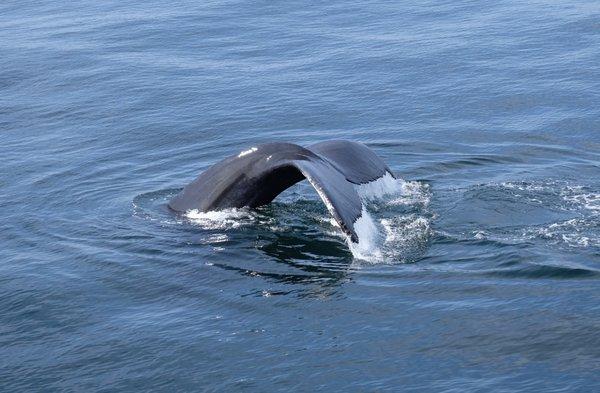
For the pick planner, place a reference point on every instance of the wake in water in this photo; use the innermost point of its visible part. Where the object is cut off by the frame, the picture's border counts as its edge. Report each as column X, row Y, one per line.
column 582, row 231
column 555, row 213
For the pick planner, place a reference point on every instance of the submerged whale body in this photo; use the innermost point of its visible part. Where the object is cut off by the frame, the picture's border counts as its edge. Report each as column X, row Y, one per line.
column 256, row 176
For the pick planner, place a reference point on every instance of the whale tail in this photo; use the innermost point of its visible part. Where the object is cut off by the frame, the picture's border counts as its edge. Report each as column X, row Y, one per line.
column 256, row 176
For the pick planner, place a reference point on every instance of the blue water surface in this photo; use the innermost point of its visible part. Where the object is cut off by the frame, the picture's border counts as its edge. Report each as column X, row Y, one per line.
column 490, row 278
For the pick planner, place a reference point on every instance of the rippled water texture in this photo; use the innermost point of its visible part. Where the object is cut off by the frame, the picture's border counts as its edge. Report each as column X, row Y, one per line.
column 483, row 267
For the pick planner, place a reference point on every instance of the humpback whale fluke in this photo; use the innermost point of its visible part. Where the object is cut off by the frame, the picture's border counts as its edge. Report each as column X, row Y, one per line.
column 256, row 176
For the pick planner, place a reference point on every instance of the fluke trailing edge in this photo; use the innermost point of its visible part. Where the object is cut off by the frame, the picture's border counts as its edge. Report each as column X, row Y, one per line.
column 256, row 176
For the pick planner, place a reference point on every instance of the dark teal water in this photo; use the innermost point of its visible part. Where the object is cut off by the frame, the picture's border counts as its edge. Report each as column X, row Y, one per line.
column 489, row 277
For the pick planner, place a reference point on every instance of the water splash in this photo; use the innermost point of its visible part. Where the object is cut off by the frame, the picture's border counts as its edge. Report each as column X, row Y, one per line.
column 397, row 239
column 401, row 191
column 381, row 187
column 368, row 247
column 391, row 236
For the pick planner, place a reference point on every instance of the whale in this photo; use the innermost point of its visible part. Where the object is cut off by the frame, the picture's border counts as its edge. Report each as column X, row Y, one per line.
column 255, row 177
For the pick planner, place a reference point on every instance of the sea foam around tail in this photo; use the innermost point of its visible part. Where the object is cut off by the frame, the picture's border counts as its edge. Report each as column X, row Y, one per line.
column 386, row 238
column 386, row 235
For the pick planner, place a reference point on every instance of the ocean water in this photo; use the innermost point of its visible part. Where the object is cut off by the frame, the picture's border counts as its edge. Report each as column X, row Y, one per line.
column 482, row 267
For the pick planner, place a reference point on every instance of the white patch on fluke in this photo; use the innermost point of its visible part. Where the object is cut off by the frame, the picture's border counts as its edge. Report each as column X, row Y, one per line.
column 246, row 152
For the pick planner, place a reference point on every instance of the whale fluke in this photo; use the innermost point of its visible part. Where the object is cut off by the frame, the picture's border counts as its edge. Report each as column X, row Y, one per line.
column 256, row 176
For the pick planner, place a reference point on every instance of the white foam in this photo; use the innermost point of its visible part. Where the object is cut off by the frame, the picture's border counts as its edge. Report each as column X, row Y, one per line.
column 388, row 240
column 385, row 240
column 405, row 230
column 522, row 186
column 368, row 247
column 221, row 219
column 413, row 193
column 406, row 192
column 576, row 196
column 576, row 232
column 590, row 201
column 376, row 189
column 215, row 238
